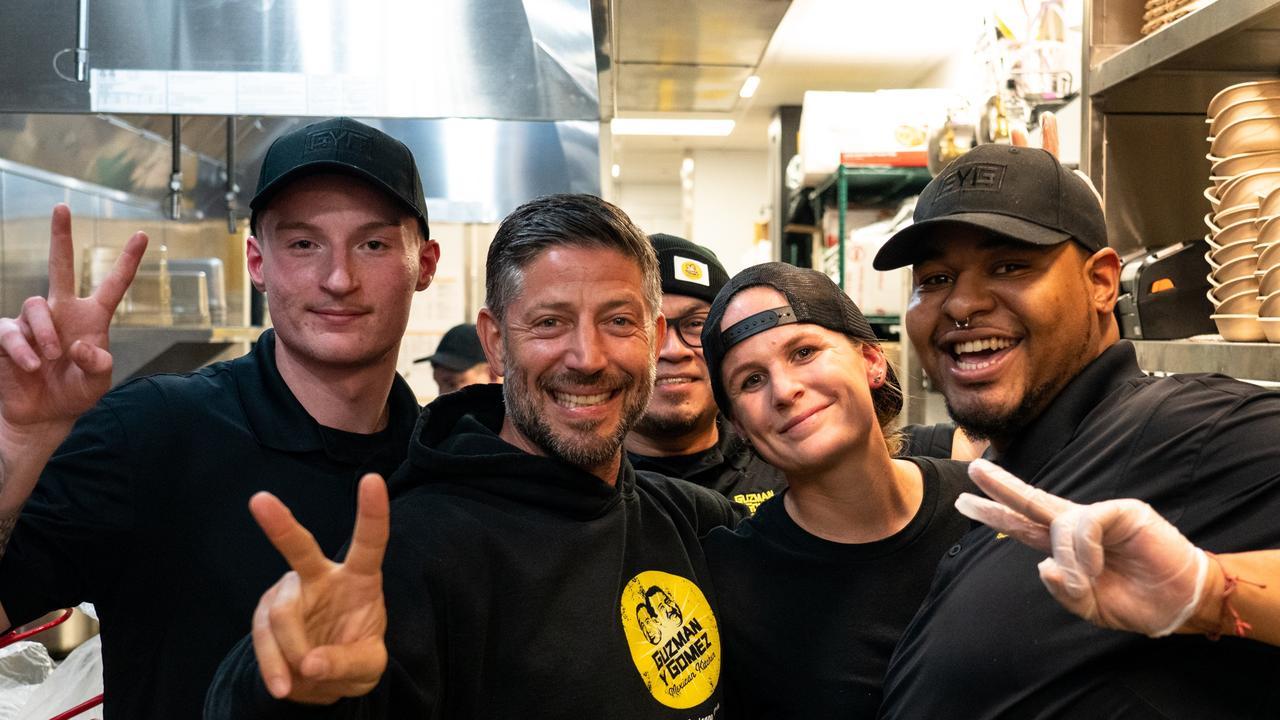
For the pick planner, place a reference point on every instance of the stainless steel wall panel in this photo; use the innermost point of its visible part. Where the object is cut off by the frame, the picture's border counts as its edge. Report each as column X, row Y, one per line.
column 502, row 59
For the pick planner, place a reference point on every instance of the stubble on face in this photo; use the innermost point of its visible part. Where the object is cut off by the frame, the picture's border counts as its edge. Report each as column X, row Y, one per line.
column 983, row 422
column 580, row 447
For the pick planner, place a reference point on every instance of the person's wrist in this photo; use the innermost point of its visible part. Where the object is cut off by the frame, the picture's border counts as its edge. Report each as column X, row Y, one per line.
column 1208, row 616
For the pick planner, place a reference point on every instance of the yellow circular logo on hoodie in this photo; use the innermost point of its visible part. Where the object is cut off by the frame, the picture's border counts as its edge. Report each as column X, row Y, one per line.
column 673, row 637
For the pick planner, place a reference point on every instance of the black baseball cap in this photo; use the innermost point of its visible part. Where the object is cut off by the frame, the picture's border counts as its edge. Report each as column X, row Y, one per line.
column 458, row 350
column 812, row 298
column 341, row 145
column 1020, row 193
column 688, row 268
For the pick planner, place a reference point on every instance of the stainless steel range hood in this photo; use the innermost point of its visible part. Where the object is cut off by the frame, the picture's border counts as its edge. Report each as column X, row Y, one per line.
column 498, row 59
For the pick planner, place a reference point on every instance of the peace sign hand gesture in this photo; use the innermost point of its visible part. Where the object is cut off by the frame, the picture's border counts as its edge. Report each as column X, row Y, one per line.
column 1116, row 563
column 54, row 363
column 319, row 633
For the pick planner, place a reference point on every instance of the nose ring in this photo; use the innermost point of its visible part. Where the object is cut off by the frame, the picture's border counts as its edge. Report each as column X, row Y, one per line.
column 962, row 324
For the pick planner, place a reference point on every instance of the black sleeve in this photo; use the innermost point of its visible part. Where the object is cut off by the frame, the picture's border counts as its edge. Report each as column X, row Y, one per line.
column 237, row 691
column 705, row 509
column 78, row 524
column 929, row 440
column 1233, row 503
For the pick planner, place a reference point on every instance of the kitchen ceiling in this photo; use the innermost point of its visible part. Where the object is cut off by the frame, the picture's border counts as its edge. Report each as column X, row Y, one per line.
column 816, row 45
column 680, row 56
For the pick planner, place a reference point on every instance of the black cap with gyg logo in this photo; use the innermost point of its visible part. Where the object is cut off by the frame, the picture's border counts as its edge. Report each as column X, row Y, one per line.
column 1019, row 193
column 811, row 298
column 341, row 145
column 688, row 268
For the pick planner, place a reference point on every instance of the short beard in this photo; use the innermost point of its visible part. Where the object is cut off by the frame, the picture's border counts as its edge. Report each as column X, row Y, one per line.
column 982, row 424
column 577, row 448
column 674, row 425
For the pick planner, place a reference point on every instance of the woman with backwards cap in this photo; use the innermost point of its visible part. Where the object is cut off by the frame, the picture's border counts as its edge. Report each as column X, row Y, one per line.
column 815, row 590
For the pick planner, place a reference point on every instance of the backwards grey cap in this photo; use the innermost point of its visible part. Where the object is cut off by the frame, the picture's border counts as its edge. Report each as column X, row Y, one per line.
column 1019, row 193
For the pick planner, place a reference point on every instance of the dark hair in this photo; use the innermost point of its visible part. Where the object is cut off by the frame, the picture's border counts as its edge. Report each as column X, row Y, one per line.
column 563, row 220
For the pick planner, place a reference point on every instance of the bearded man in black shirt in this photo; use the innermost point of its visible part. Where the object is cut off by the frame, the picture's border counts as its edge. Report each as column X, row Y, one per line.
column 1012, row 316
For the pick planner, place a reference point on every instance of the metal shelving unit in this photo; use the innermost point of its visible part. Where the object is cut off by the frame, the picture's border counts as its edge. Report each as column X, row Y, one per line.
column 1251, row 361
column 866, row 186
column 1143, row 139
column 138, row 350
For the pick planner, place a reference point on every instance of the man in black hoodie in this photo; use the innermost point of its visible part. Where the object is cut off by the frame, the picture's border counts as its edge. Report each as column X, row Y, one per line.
column 530, row 572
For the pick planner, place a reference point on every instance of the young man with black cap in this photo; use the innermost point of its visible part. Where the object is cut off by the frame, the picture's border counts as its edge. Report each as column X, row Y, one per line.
column 682, row 434
column 531, row 572
column 1012, row 316
column 459, row 360
column 137, row 498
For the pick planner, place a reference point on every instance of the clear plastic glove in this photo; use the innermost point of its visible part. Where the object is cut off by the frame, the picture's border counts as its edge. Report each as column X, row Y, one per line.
column 1116, row 563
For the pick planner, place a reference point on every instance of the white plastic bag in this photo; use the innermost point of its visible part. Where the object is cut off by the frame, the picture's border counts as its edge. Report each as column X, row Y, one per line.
column 23, row 666
column 75, row 680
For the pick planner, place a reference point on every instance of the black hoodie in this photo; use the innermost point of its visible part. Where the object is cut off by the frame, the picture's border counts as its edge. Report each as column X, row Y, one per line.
column 520, row 586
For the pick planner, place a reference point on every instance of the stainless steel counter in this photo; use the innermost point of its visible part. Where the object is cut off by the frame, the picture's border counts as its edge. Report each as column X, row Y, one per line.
column 147, row 350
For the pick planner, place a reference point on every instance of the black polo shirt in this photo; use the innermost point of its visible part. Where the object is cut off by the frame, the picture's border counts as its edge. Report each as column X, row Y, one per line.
column 729, row 467
column 143, row 511
column 989, row 641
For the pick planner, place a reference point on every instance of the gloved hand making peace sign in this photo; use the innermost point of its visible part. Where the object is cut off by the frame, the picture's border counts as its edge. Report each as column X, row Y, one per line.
column 1120, row 565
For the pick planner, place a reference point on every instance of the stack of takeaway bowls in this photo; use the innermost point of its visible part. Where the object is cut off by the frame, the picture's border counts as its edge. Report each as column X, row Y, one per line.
column 1244, row 152
column 1267, row 246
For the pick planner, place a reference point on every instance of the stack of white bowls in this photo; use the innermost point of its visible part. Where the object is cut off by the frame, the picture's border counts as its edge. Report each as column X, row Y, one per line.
column 1244, row 137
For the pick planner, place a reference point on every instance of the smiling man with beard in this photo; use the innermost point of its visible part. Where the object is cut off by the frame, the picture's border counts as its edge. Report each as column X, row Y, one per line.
column 1012, row 316
column 682, row 433
column 524, row 547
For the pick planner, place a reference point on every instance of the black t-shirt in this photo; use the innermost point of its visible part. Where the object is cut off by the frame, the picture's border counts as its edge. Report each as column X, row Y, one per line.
column 143, row 511
column 729, row 467
column 519, row 586
column 809, row 624
column 990, row 642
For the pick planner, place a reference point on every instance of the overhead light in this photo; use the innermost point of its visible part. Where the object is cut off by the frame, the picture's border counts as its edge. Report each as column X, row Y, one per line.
column 671, row 126
column 616, row 170
column 749, row 86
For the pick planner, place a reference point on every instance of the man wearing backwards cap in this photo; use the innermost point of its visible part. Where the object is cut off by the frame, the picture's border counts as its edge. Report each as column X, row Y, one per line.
column 1011, row 314
column 459, row 360
column 137, row 498
column 682, row 434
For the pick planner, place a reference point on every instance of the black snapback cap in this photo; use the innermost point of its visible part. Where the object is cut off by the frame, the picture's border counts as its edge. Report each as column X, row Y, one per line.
column 341, row 145
column 458, row 350
column 1019, row 193
column 688, row 268
column 812, row 298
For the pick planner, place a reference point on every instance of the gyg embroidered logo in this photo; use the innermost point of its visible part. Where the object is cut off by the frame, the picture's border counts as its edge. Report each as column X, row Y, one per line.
column 673, row 638
column 325, row 139
column 980, row 176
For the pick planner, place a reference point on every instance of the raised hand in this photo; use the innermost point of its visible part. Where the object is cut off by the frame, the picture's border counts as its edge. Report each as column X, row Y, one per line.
column 319, row 632
column 54, row 361
column 1048, row 134
column 1115, row 563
